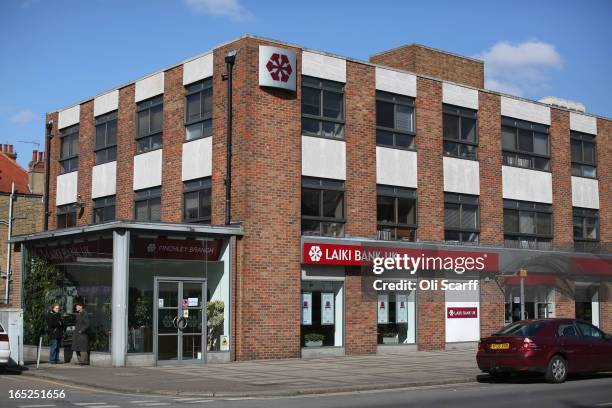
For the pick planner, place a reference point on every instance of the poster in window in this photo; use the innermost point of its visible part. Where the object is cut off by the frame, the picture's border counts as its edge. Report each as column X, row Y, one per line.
column 401, row 309
column 327, row 308
column 307, row 308
column 383, row 308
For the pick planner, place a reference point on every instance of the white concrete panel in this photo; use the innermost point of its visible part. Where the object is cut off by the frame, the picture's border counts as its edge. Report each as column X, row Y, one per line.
column 197, row 159
column 106, row 103
column 461, row 176
column 148, row 169
column 464, row 328
column 389, row 80
column 396, row 167
column 585, row 192
column 519, row 109
column 69, row 117
column 66, row 188
column 459, row 96
column 583, row 123
column 527, row 185
column 325, row 158
column 198, row 69
column 323, row 66
column 149, row 87
column 104, row 180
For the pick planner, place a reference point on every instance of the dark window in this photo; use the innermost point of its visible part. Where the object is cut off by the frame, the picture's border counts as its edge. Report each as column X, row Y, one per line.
column 522, row 329
column 396, row 213
column 527, row 224
column 584, row 155
column 567, row 330
column 106, row 138
column 322, row 108
column 525, row 144
column 460, row 132
column 586, row 224
column 150, row 124
column 196, row 200
column 69, row 149
column 461, row 219
column 589, row 331
column 394, row 120
column 147, row 204
column 322, row 207
column 66, row 216
column 198, row 110
column 103, row 209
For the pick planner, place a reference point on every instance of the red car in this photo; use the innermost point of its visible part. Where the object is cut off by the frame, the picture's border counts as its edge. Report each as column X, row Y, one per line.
column 554, row 347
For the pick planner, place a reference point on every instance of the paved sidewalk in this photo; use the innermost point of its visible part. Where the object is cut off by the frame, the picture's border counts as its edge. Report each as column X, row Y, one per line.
column 276, row 377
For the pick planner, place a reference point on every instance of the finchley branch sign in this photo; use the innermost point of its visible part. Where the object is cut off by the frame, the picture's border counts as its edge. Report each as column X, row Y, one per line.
column 277, row 67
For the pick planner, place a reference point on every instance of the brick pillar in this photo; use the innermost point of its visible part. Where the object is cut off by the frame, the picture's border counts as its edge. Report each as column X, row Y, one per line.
column 490, row 160
column 174, row 135
column 429, row 163
column 492, row 307
column 561, row 167
column 605, row 307
column 53, row 168
column 126, row 148
column 431, row 323
column 219, row 136
column 604, row 174
column 359, row 315
column 360, row 149
column 87, row 135
column 565, row 304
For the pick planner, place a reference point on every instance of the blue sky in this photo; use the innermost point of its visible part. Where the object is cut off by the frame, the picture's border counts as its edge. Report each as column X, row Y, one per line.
column 57, row 52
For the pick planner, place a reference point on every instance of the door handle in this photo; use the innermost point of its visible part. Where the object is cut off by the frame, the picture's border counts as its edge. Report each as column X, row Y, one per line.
column 181, row 323
column 174, row 322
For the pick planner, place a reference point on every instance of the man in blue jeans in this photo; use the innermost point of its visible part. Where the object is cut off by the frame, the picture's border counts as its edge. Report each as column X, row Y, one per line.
column 55, row 327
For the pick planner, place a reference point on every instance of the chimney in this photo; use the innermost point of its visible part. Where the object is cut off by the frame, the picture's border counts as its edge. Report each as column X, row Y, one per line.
column 36, row 172
column 41, row 156
column 34, row 155
column 7, row 149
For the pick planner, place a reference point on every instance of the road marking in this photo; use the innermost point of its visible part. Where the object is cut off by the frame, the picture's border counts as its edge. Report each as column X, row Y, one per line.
column 604, row 404
column 198, row 401
column 36, row 406
column 143, row 402
column 89, row 404
column 155, row 404
column 186, row 399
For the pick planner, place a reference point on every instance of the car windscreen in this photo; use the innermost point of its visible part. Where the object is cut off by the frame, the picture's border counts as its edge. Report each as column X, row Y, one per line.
column 522, row 329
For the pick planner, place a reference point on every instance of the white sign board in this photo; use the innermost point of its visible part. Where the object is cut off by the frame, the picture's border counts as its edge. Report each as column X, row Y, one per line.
column 307, row 308
column 401, row 309
column 224, row 343
column 193, row 302
column 327, row 308
column 383, row 308
column 277, row 67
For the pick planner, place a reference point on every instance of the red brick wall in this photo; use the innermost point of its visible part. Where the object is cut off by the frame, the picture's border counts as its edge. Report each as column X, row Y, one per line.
column 431, row 324
column 173, row 137
column 430, row 205
column 565, row 305
column 490, row 161
column 359, row 315
column 605, row 307
column 492, row 313
column 53, row 168
column 126, row 148
column 87, row 134
column 360, row 131
column 561, row 167
column 604, row 174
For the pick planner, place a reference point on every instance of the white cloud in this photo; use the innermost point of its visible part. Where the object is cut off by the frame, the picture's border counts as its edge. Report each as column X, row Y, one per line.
column 221, row 8
column 23, row 116
column 522, row 68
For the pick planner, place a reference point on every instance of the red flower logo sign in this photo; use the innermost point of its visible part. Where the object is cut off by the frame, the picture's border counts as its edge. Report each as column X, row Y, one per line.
column 279, row 67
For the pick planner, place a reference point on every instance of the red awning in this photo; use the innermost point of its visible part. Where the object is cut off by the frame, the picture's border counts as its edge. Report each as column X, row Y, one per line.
column 535, row 279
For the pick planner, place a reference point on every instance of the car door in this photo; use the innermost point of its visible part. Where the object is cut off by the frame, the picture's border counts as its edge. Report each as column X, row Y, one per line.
column 576, row 351
column 599, row 346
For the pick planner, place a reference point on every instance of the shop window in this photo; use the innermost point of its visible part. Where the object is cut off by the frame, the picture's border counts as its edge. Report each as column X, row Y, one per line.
column 103, row 209
column 586, row 297
column 396, row 213
column 196, row 200
column 527, row 225
column 394, row 121
column 198, row 110
column 460, row 129
column 461, row 218
column 322, row 314
column 584, row 155
column 150, row 118
column 106, row 138
column 69, row 149
column 539, row 302
column 322, row 207
column 586, row 229
column 66, row 216
column 396, row 322
column 525, row 144
column 147, row 204
column 322, row 108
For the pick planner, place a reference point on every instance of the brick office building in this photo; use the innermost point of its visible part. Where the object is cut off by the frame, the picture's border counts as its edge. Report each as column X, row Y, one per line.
column 330, row 157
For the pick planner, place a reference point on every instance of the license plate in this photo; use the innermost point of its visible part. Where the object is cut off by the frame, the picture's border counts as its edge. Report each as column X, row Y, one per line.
column 500, row 346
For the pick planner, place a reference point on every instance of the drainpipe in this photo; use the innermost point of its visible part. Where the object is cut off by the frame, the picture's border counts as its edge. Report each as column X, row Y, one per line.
column 8, row 244
column 48, row 138
column 230, row 59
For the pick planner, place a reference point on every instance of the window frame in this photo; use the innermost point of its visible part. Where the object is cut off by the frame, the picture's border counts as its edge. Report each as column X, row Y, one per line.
column 396, row 100
column 460, row 113
column 148, row 105
column 533, row 128
column 67, row 212
column 584, row 214
column 396, row 193
column 70, row 132
column 531, row 207
column 461, row 200
column 319, row 184
column 583, row 138
column 104, row 203
column 190, row 89
column 152, row 193
column 104, row 120
column 197, row 186
column 323, row 85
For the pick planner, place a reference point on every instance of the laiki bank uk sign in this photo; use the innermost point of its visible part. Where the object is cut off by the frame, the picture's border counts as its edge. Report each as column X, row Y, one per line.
column 277, row 67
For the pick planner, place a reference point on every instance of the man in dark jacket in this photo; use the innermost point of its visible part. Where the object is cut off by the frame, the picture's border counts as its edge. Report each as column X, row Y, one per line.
column 80, row 339
column 55, row 328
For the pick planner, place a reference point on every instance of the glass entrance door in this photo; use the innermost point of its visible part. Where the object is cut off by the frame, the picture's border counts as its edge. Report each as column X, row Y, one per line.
column 180, row 320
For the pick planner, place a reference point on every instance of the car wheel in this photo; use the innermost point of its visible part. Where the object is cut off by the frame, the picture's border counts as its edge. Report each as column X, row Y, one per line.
column 557, row 370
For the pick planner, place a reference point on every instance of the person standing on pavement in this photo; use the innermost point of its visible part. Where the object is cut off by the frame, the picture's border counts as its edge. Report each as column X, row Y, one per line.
column 80, row 338
column 55, row 328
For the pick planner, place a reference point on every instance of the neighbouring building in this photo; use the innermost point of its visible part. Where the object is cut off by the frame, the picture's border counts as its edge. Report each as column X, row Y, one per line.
column 332, row 161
